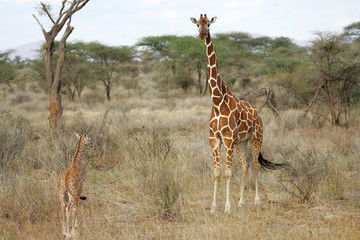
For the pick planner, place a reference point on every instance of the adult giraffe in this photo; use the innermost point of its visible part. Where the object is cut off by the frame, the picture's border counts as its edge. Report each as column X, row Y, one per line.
column 232, row 123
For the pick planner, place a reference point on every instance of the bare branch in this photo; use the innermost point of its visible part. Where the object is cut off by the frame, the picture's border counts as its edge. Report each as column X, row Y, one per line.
column 45, row 9
column 313, row 99
column 62, row 7
column 41, row 26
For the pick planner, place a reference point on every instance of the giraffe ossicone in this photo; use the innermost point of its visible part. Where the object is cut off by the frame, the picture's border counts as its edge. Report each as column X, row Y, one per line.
column 232, row 123
column 70, row 188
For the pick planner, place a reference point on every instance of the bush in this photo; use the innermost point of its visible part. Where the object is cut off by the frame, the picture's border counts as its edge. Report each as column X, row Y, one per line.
column 14, row 135
column 184, row 80
column 20, row 97
column 305, row 174
column 154, row 161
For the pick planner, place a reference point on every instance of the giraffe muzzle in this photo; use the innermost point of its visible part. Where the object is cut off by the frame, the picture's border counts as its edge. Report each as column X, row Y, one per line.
column 202, row 35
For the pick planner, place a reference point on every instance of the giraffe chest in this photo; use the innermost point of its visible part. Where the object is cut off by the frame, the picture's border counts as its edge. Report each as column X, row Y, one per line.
column 232, row 121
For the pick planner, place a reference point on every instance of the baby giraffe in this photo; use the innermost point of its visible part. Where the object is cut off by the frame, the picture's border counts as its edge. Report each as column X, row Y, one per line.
column 70, row 187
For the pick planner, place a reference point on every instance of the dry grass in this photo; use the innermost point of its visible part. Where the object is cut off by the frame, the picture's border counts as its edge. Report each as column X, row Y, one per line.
column 149, row 175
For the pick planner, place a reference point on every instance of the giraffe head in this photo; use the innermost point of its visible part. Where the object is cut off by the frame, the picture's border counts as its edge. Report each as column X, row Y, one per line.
column 204, row 25
column 85, row 138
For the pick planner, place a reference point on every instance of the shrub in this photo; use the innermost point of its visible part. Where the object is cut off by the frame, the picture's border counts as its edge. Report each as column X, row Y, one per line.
column 184, row 80
column 14, row 134
column 154, row 161
column 20, row 97
column 305, row 174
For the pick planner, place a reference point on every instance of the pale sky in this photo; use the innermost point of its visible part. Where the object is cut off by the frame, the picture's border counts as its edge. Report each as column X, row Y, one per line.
column 124, row 22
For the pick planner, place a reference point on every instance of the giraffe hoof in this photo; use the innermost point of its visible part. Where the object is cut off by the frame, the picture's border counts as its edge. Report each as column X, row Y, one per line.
column 241, row 204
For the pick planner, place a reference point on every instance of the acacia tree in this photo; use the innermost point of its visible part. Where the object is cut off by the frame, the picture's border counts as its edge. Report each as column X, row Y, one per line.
column 107, row 60
column 189, row 54
column 77, row 71
column 53, row 76
column 338, row 67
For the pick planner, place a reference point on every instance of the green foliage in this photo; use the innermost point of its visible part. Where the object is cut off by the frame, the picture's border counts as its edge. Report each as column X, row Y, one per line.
column 278, row 64
column 77, row 71
column 245, row 82
column 108, row 64
column 353, row 31
column 7, row 70
column 184, row 79
column 231, row 81
column 181, row 55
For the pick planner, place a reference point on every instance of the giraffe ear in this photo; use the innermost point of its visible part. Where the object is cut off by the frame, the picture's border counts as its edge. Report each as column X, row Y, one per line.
column 213, row 20
column 194, row 21
column 77, row 136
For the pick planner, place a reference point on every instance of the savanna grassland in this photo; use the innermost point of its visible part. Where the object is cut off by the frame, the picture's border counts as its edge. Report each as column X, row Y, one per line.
column 149, row 174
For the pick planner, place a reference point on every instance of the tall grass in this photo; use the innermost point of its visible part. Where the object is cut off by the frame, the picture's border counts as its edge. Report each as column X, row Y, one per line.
column 149, row 176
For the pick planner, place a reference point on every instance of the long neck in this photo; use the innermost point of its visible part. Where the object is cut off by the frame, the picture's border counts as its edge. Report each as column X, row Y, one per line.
column 216, row 85
column 79, row 150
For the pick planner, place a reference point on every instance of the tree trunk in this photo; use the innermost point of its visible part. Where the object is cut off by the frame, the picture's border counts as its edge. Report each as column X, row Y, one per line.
column 107, row 88
column 56, row 108
column 206, row 82
column 199, row 81
column 53, row 79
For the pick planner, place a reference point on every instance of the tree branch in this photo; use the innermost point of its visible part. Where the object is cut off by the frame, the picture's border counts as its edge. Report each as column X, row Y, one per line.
column 47, row 12
column 41, row 26
column 313, row 99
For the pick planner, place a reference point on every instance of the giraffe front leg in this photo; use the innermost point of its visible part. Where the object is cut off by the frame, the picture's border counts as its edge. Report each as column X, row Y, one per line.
column 215, row 144
column 228, row 174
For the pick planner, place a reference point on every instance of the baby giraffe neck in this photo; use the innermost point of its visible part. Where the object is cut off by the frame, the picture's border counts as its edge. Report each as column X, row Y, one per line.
column 77, row 157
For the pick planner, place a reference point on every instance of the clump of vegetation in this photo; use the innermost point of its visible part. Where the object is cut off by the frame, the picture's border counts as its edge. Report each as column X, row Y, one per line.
column 155, row 163
column 14, row 136
column 20, row 97
column 304, row 174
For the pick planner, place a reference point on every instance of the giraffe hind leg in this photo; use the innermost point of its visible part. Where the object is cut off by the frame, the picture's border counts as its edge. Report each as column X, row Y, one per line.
column 255, row 147
column 74, row 221
column 63, row 215
column 241, row 152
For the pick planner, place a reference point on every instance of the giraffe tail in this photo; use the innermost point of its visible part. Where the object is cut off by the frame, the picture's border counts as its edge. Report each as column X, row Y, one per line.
column 266, row 164
column 83, row 198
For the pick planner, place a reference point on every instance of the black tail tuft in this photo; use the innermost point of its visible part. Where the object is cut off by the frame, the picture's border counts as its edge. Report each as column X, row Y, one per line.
column 83, row 198
column 266, row 164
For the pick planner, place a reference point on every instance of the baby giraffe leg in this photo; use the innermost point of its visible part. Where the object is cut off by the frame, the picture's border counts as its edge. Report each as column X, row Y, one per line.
column 74, row 220
column 63, row 212
column 68, row 215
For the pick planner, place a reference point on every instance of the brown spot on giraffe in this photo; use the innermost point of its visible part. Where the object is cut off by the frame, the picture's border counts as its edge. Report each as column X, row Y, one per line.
column 232, row 122
column 70, row 188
